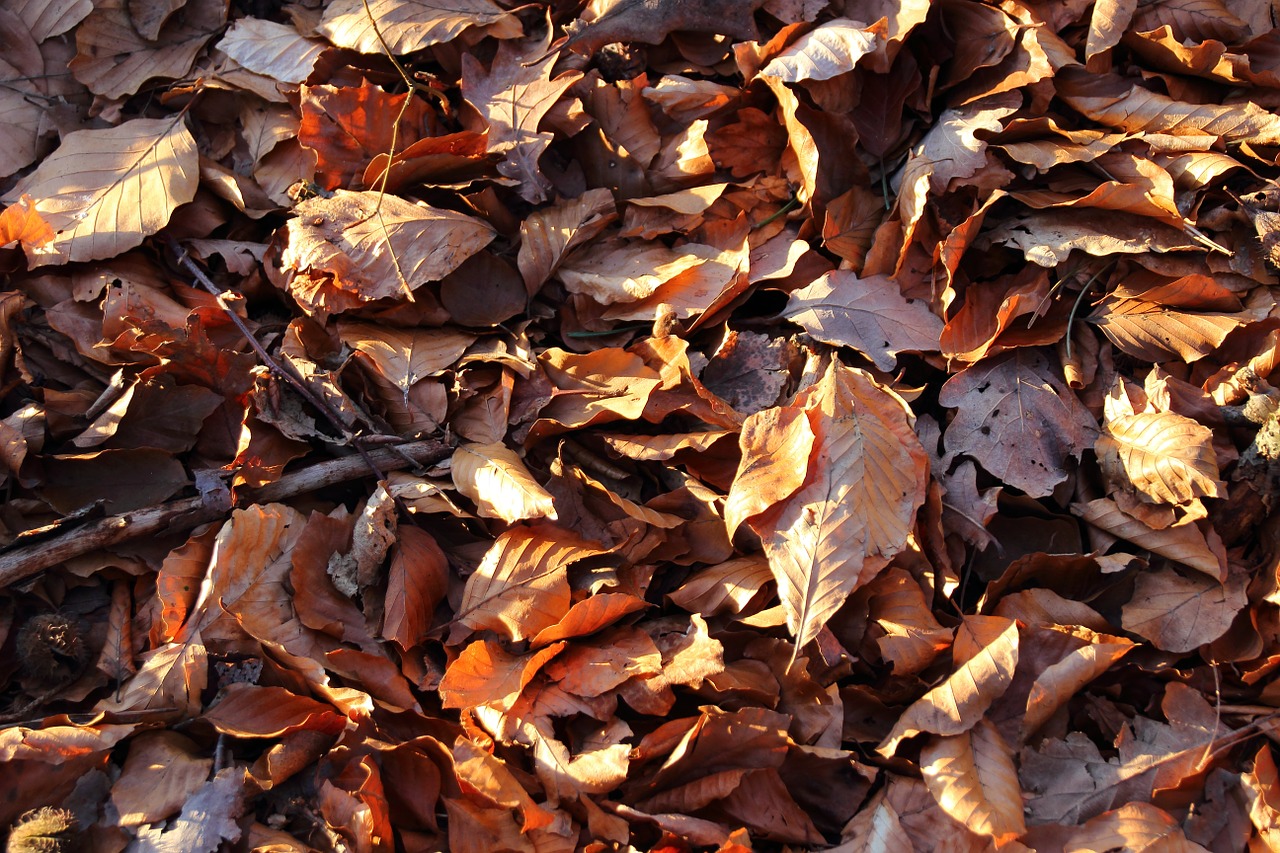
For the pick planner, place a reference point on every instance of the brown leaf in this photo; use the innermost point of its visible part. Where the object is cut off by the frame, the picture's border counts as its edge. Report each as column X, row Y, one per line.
column 416, row 584
column 513, row 96
column 347, row 127
column 495, row 478
column 1182, row 543
column 113, row 58
column 123, row 479
column 1179, row 614
column 1018, row 419
column 652, row 21
column 868, row 314
column 521, row 587
column 251, row 711
column 1070, row 780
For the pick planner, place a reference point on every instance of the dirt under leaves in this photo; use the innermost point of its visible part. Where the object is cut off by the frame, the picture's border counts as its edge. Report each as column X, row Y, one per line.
column 648, row 425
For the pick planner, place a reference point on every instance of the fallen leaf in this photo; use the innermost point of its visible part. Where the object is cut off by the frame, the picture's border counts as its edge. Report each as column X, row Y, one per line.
column 104, row 191
column 1017, row 418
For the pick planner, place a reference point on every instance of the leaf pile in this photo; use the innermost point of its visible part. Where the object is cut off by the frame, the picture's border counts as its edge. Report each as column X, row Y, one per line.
column 753, row 424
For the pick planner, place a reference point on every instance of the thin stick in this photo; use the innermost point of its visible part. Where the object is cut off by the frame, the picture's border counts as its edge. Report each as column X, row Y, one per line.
column 285, row 371
column 21, row 563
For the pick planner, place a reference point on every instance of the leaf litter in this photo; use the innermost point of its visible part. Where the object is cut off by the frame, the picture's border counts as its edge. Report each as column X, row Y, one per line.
column 639, row 425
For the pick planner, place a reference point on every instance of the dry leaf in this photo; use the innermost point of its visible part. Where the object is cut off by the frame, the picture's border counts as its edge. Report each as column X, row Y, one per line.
column 104, row 191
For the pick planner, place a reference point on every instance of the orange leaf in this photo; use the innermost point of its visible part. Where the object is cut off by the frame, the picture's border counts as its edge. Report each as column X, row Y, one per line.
column 20, row 223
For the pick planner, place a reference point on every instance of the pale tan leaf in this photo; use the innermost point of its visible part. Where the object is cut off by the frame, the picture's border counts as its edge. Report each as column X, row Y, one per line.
column 725, row 588
column 114, row 59
column 973, row 778
column 1136, row 826
column 1107, row 24
column 827, row 51
column 275, row 50
column 23, row 90
column 407, row 25
column 1180, row 614
column 868, row 314
column 1167, row 457
column 208, row 818
column 852, row 513
column 161, row 771
column 491, row 778
column 1047, row 237
column 875, row 829
column 548, row 235
column 956, row 705
column 405, row 356
column 611, row 272
column 1261, row 787
column 47, row 18
column 596, row 770
column 1183, row 543
column 521, row 586
column 495, row 478
column 170, row 678
column 104, row 191
column 1116, row 102
column 356, row 247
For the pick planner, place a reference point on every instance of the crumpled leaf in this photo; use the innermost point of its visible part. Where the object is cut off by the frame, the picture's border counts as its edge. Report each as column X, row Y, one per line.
column 829, row 50
column 356, row 247
column 513, row 95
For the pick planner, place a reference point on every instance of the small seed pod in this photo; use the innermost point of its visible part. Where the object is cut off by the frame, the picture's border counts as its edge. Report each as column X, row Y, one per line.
column 51, row 649
column 46, row 830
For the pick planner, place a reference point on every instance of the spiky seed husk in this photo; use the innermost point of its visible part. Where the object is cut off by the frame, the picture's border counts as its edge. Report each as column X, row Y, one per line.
column 44, row 830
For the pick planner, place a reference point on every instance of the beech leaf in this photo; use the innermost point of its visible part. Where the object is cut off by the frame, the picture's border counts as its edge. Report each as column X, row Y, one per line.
column 104, row 191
